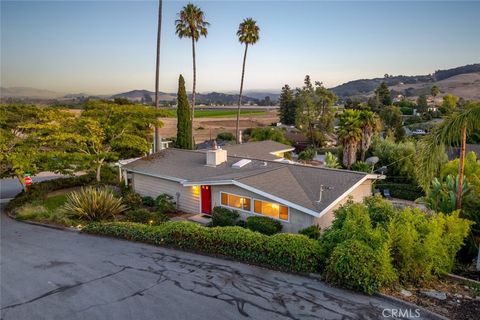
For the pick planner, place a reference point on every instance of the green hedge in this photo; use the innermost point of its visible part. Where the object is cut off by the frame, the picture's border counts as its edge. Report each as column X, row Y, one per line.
column 401, row 190
column 288, row 252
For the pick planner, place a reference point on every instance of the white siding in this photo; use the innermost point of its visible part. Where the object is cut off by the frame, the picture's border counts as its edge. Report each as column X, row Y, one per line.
column 188, row 201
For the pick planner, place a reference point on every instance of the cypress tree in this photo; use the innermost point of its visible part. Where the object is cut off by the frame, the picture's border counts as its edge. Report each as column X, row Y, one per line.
column 184, row 122
column 287, row 106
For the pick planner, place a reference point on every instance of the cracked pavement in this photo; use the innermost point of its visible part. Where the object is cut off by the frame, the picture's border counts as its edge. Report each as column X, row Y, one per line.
column 54, row 274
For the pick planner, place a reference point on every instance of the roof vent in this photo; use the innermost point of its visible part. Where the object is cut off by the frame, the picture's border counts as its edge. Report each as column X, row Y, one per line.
column 216, row 157
column 241, row 163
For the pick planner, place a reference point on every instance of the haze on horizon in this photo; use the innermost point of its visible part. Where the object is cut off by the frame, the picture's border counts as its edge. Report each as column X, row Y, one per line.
column 109, row 47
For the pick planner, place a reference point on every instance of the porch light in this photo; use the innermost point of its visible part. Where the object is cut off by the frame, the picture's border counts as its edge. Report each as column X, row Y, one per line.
column 195, row 190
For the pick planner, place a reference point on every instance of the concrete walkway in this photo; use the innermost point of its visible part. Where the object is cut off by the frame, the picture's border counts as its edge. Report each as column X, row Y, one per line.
column 53, row 274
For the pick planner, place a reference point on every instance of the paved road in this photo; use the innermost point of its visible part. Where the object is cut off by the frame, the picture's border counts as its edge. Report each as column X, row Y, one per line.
column 10, row 187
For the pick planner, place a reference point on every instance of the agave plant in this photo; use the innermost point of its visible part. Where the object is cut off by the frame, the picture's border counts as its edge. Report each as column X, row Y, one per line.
column 93, row 204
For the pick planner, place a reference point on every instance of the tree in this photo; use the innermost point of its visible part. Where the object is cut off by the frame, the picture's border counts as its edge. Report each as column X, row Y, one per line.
column 392, row 121
column 383, row 94
column 422, row 104
column 286, row 112
column 434, row 92
column 314, row 109
column 248, row 34
column 453, row 131
column 349, row 135
column 192, row 25
column 370, row 123
column 184, row 123
column 156, row 139
column 268, row 133
column 18, row 150
column 449, row 103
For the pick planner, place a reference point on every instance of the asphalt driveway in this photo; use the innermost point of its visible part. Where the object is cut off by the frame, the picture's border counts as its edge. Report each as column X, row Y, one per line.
column 53, row 274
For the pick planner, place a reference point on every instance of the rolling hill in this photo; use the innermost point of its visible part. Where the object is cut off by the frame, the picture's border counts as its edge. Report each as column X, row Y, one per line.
column 461, row 81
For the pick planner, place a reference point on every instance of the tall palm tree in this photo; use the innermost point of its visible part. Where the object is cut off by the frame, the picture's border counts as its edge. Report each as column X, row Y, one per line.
column 452, row 131
column 156, row 139
column 191, row 24
column 349, row 135
column 370, row 123
column 248, row 33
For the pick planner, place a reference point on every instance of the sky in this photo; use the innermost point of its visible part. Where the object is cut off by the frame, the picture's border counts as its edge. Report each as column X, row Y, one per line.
column 106, row 47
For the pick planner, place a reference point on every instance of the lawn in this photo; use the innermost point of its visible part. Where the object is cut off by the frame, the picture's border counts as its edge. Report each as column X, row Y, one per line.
column 226, row 113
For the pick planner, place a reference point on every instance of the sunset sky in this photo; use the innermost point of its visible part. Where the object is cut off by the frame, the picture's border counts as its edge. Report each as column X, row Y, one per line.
column 109, row 47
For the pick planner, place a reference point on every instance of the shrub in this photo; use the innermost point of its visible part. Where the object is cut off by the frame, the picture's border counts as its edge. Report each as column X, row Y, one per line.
column 288, row 252
column 138, row 215
column 401, row 190
column 241, row 223
column 425, row 247
column 380, row 210
column 93, row 204
column 132, row 199
column 356, row 265
column 307, row 154
column 223, row 217
column 313, row 232
column 362, row 166
column 264, row 225
column 148, row 201
column 164, row 203
column 227, row 136
column 158, row 218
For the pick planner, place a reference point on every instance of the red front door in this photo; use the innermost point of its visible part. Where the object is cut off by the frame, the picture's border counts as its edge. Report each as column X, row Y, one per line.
column 206, row 196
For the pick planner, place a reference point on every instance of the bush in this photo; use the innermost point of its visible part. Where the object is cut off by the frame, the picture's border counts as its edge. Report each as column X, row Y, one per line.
column 138, row 215
column 313, row 232
column 307, row 154
column 241, row 223
column 223, row 217
column 132, row 199
column 402, row 190
column 288, row 252
column 148, row 201
column 362, row 166
column 92, row 203
column 158, row 218
column 164, row 203
column 227, row 136
column 264, row 225
column 356, row 265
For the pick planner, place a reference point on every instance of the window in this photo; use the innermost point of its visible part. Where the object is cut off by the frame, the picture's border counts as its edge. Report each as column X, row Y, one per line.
column 270, row 209
column 235, row 201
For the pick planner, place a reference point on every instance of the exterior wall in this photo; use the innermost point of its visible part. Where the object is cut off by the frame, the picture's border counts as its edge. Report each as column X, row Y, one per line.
column 187, row 201
column 297, row 219
column 357, row 195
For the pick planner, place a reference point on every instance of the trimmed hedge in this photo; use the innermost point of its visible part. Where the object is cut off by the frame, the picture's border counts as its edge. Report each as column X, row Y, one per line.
column 264, row 225
column 401, row 190
column 288, row 252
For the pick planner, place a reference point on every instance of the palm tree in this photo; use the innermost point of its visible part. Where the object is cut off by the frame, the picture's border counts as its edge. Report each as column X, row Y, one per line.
column 157, row 142
column 248, row 33
column 453, row 131
column 192, row 25
column 371, row 124
column 349, row 135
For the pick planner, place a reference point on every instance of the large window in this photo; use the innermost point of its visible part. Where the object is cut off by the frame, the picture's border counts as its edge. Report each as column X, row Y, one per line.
column 273, row 210
column 235, row 201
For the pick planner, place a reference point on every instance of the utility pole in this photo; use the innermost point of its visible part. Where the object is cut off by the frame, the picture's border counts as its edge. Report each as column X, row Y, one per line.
column 157, row 140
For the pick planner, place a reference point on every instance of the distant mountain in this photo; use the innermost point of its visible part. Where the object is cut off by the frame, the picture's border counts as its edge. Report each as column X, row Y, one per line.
column 462, row 81
column 27, row 92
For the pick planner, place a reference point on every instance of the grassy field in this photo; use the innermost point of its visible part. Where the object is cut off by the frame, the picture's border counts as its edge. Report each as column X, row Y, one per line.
column 224, row 113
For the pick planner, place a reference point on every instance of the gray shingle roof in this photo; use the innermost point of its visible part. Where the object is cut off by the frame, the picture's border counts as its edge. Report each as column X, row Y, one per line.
column 257, row 150
column 292, row 182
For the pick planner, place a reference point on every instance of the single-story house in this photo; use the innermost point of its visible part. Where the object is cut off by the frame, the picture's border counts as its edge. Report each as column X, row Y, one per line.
column 296, row 195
